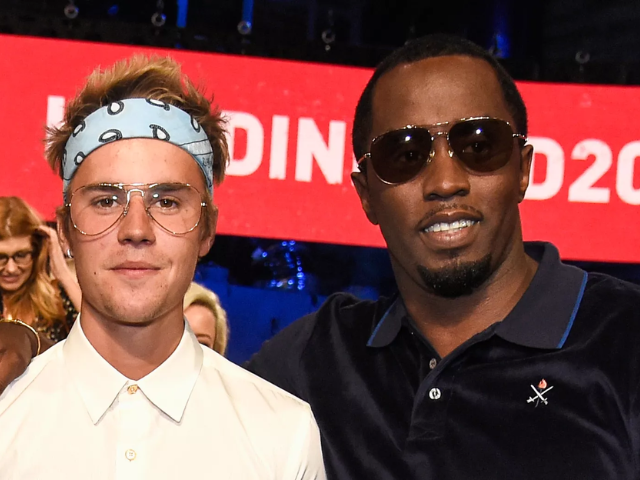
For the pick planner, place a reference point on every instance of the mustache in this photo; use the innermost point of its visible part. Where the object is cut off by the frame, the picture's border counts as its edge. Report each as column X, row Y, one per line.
column 445, row 207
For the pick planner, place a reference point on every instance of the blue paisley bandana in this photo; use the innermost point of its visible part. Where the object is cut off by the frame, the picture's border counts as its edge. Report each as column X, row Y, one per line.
column 138, row 118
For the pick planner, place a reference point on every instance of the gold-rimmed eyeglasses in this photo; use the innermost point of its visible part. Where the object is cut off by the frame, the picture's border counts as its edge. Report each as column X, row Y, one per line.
column 175, row 207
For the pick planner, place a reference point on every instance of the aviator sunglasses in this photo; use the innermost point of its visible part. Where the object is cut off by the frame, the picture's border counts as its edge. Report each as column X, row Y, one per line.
column 482, row 144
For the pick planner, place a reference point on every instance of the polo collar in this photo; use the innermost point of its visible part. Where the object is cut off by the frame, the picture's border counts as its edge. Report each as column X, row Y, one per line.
column 541, row 319
column 168, row 387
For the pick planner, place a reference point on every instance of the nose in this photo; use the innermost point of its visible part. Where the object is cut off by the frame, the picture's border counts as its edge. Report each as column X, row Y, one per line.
column 11, row 266
column 136, row 226
column 445, row 177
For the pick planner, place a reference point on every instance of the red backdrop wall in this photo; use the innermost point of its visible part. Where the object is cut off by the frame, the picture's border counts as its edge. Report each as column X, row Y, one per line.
column 290, row 128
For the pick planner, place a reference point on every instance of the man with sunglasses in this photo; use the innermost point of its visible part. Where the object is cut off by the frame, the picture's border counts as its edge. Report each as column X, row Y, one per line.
column 131, row 393
column 494, row 360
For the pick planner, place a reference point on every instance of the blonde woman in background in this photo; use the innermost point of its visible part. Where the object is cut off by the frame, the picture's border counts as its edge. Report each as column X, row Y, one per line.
column 36, row 284
column 206, row 317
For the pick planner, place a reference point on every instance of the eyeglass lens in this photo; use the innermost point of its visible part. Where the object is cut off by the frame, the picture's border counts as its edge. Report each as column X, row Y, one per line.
column 175, row 207
column 20, row 258
column 482, row 145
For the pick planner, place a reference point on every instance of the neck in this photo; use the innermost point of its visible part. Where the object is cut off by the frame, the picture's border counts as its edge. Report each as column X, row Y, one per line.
column 135, row 350
column 449, row 322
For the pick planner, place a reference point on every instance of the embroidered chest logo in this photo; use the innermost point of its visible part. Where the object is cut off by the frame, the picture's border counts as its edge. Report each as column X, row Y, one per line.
column 539, row 393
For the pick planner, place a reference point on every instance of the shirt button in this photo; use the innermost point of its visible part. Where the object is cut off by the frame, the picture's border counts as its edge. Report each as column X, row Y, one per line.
column 432, row 363
column 132, row 389
column 130, row 455
column 435, row 393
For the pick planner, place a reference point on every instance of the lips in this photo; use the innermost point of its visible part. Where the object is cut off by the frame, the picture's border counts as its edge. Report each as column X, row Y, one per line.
column 448, row 218
column 135, row 266
column 135, row 269
column 451, row 228
column 11, row 279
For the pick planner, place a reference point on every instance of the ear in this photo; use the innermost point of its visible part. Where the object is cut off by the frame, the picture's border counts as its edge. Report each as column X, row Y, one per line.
column 361, row 183
column 206, row 241
column 62, row 227
column 526, row 160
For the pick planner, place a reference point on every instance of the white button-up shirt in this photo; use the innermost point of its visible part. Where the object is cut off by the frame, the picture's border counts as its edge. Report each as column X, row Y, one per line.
column 71, row 416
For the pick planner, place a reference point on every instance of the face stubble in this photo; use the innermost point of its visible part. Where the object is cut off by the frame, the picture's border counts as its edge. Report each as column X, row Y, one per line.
column 458, row 278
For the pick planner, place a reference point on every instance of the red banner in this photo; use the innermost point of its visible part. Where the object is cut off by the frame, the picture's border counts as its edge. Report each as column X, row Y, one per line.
column 290, row 130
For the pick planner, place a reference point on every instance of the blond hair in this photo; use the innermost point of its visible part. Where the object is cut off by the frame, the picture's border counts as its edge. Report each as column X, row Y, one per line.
column 40, row 294
column 199, row 295
column 158, row 78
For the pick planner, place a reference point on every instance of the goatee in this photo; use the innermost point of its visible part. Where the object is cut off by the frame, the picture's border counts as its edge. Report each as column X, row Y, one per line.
column 458, row 279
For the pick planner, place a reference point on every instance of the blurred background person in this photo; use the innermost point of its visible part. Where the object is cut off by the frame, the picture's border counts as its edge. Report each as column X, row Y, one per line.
column 206, row 317
column 36, row 284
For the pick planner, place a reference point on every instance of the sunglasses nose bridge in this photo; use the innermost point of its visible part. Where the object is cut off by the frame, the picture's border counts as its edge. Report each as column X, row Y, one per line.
column 434, row 137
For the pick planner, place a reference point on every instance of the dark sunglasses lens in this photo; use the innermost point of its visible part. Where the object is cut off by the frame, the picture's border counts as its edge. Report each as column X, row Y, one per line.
column 399, row 155
column 482, row 145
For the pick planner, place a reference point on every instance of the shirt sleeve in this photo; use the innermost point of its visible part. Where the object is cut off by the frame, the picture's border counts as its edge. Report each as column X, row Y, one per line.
column 305, row 459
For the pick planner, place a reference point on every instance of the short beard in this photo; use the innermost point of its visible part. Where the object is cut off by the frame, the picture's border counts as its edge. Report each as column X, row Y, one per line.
column 457, row 279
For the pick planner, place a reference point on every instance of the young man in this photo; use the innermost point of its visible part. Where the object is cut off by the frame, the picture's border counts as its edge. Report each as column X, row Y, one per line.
column 131, row 393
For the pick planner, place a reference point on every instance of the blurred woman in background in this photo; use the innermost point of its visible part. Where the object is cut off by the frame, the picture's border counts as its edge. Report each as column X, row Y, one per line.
column 206, row 317
column 36, row 284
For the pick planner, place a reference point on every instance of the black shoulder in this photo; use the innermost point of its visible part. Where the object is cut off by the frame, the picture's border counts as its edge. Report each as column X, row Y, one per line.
column 612, row 291
column 279, row 359
column 609, row 306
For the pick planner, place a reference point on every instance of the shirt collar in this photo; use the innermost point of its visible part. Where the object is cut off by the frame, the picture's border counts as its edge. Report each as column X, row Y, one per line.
column 168, row 387
column 541, row 319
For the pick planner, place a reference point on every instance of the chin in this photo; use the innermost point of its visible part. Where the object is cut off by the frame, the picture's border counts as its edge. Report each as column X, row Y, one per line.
column 457, row 277
column 134, row 315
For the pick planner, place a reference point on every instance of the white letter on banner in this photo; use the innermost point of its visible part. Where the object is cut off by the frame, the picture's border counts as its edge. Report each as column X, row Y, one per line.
column 330, row 157
column 626, row 168
column 55, row 110
column 555, row 169
column 279, row 141
column 582, row 189
column 255, row 143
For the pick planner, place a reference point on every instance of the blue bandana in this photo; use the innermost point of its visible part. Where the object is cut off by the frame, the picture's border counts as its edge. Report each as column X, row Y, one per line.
column 138, row 118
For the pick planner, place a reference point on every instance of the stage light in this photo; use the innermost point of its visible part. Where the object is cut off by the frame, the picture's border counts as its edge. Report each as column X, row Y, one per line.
column 113, row 10
column 328, row 34
column 158, row 19
column 71, row 11
column 245, row 25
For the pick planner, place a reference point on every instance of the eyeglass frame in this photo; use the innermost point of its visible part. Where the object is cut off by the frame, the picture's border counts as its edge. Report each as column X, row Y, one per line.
column 432, row 152
column 13, row 257
column 125, row 210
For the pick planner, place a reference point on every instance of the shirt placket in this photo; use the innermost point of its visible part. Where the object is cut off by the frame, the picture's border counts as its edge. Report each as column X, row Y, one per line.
column 133, row 431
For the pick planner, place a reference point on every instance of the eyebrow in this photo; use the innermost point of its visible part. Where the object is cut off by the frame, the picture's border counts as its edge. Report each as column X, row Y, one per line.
column 169, row 187
column 102, row 188
column 4, row 254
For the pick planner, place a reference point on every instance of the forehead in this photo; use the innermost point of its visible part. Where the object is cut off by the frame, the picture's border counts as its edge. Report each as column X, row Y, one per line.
column 138, row 160
column 15, row 244
column 434, row 90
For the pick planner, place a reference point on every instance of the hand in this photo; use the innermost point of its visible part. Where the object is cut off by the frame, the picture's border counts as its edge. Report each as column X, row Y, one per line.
column 16, row 349
column 57, row 261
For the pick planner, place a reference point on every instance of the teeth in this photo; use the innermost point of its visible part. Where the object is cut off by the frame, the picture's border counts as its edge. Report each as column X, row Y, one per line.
column 448, row 227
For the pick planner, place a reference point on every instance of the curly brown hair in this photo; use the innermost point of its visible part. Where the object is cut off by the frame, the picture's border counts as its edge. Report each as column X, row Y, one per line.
column 158, row 78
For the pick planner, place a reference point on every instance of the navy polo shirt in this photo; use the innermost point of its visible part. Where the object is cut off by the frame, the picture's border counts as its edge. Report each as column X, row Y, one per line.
column 549, row 392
